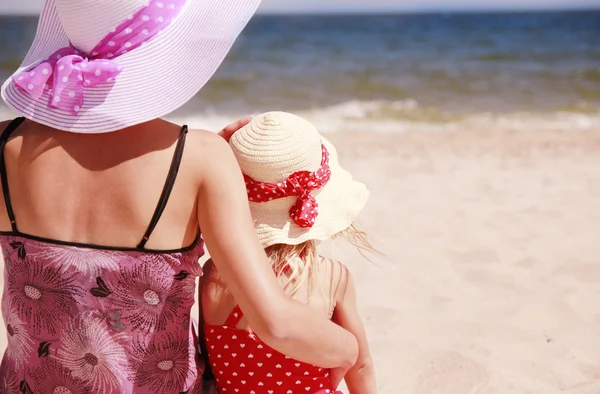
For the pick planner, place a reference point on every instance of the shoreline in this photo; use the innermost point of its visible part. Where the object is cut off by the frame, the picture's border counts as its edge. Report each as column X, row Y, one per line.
column 401, row 117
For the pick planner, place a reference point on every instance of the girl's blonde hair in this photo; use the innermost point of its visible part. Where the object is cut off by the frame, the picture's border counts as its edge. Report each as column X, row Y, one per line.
column 295, row 265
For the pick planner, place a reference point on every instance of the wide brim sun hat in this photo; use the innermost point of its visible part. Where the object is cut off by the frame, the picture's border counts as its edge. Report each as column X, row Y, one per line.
column 279, row 154
column 103, row 65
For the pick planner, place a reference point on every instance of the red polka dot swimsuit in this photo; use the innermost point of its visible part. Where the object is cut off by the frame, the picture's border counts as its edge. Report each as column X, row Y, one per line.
column 243, row 364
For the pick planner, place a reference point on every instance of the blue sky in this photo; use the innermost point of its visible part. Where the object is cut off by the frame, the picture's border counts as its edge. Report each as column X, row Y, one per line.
column 33, row 6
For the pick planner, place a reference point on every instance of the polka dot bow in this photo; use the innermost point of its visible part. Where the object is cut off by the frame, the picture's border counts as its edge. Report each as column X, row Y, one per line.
column 299, row 184
column 71, row 70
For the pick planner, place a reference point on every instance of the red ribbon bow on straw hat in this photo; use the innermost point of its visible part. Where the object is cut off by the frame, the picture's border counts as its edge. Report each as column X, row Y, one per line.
column 299, row 184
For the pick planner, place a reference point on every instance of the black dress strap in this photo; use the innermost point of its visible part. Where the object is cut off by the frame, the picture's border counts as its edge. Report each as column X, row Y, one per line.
column 166, row 192
column 12, row 126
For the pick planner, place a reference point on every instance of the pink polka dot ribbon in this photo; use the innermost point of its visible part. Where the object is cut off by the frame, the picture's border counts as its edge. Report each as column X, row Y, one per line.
column 67, row 71
column 299, row 184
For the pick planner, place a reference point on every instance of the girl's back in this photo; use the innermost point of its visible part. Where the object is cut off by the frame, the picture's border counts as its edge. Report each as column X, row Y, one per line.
column 240, row 361
column 218, row 302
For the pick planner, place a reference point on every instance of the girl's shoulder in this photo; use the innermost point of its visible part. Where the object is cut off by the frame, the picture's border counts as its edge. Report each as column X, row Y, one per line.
column 337, row 277
column 336, row 267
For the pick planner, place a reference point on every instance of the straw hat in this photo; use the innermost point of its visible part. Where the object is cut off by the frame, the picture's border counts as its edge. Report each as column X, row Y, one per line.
column 103, row 65
column 280, row 153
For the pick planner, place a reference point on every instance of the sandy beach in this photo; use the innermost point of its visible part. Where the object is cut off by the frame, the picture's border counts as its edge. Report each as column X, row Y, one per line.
column 493, row 240
column 491, row 279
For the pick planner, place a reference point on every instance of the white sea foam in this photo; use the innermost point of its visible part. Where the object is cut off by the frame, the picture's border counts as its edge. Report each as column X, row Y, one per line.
column 408, row 115
column 398, row 117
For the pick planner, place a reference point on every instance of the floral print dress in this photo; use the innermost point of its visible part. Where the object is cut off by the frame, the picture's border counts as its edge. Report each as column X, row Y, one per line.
column 91, row 319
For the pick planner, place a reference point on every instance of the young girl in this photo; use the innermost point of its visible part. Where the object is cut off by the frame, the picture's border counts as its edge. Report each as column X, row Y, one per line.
column 299, row 195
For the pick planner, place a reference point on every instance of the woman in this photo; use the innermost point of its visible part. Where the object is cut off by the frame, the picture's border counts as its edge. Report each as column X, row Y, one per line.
column 104, row 203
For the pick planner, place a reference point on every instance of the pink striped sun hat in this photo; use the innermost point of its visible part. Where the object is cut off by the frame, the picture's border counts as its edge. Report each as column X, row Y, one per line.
column 102, row 65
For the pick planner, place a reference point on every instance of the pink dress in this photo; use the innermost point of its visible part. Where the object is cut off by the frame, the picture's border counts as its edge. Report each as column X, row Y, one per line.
column 92, row 319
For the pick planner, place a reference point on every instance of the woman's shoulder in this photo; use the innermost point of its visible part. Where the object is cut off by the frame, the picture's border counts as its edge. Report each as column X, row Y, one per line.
column 210, row 155
column 206, row 145
column 12, row 149
column 207, row 140
column 4, row 124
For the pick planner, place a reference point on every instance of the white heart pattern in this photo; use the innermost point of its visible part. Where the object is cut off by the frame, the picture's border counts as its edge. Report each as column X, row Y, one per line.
column 276, row 373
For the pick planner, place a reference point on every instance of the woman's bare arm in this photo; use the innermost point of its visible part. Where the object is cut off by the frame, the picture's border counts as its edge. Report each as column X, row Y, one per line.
column 224, row 216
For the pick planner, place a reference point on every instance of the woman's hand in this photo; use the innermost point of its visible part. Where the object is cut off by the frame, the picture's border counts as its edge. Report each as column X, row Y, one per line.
column 228, row 131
